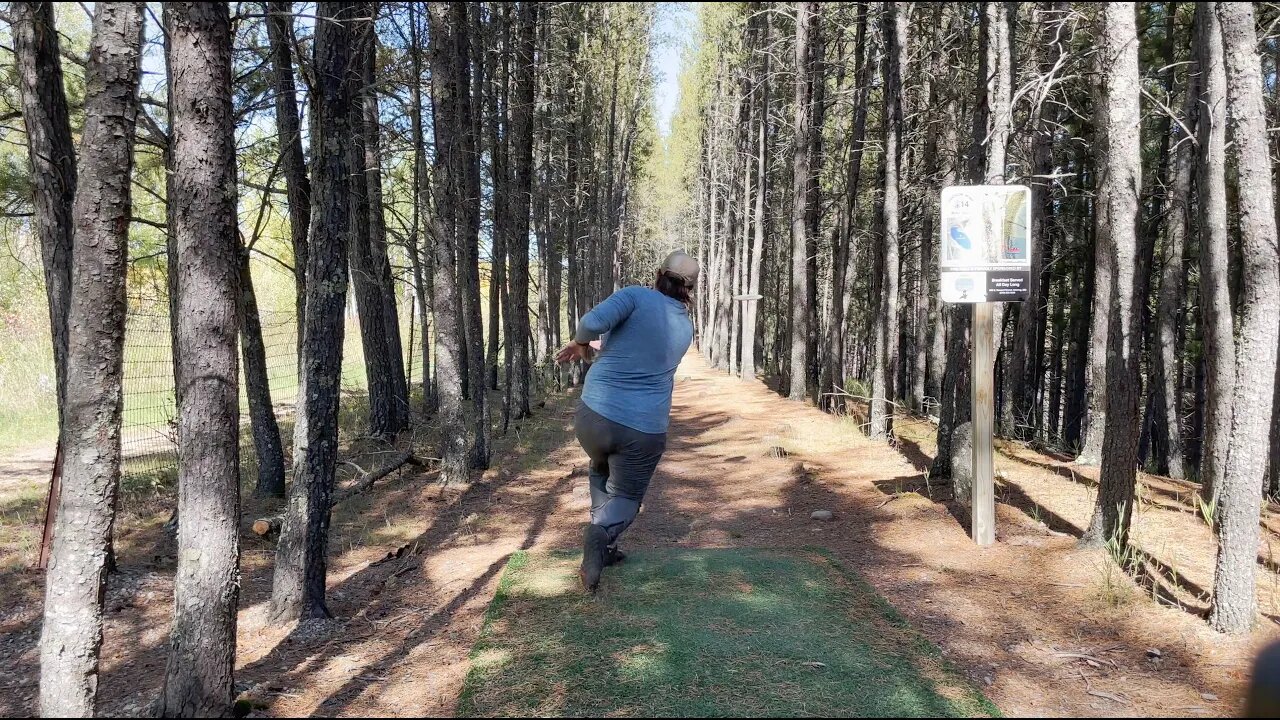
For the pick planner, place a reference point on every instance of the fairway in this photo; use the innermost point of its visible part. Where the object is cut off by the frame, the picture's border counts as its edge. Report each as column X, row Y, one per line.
column 704, row 633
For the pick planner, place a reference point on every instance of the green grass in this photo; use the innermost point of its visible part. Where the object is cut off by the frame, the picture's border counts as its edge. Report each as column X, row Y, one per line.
column 704, row 633
column 28, row 392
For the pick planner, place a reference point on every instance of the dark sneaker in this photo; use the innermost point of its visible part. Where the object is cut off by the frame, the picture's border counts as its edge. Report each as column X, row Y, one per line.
column 595, row 542
column 613, row 556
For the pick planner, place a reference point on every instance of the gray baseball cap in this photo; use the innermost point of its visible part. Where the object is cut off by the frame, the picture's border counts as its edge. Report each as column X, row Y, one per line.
column 680, row 264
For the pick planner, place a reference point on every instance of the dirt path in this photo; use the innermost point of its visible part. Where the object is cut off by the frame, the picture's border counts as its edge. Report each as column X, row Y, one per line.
column 1016, row 616
column 1044, row 627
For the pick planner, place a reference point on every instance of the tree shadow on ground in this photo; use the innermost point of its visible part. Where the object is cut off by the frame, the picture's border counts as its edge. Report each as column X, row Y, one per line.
column 1158, row 578
column 138, row 600
column 718, row 512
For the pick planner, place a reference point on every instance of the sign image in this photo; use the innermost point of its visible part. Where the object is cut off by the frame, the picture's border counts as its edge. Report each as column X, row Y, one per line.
column 985, row 243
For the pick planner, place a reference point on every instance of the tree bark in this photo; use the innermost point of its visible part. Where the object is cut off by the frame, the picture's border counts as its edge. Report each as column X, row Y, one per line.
column 887, row 328
column 1120, row 259
column 843, row 253
column 522, row 151
column 1235, row 602
column 929, row 335
column 379, row 368
column 496, row 100
column 999, row 116
column 1023, row 367
column 262, row 416
column 468, row 246
column 52, row 159
column 418, row 248
column 814, row 203
column 1168, row 354
column 800, row 164
column 445, row 229
column 1082, row 309
column 750, row 314
column 76, row 580
column 298, row 588
column 297, row 188
column 202, row 642
column 379, row 258
column 1215, row 261
column 956, row 402
column 1100, row 315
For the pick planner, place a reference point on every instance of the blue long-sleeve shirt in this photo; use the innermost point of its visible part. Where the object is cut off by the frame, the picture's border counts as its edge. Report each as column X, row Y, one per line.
column 645, row 334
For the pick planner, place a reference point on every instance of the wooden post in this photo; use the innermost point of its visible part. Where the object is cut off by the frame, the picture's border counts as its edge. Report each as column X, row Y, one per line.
column 983, row 397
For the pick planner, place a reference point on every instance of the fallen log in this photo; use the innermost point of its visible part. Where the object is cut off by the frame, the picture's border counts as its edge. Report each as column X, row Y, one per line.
column 271, row 525
column 267, row 526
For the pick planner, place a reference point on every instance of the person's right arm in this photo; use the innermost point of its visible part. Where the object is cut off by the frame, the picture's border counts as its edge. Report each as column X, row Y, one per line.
column 603, row 318
column 606, row 316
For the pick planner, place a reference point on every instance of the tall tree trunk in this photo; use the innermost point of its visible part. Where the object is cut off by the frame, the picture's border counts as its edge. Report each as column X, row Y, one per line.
column 468, row 247
column 379, row 369
column 801, row 164
column 750, row 315
column 928, row 339
column 495, row 93
column 1167, row 358
column 52, row 159
column 419, row 250
column 999, row 115
column 883, row 379
column 257, row 385
column 76, row 580
column 1273, row 473
column 835, row 375
column 1023, row 367
column 380, row 261
column 1235, row 601
column 298, row 589
column 297, row 189
column 986, row 154
column 1095, row 416
column 1052, row 397
column 202, row 642
column 1215, row 262
column 1120, row 259
column 813, row 201
column 1082, row 310
column 450, row 353
column 522, row 149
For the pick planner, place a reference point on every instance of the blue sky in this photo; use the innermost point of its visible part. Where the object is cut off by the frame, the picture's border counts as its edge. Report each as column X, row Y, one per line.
column 676, row 23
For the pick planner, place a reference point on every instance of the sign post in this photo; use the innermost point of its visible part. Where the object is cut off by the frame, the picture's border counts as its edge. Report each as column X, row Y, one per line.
column 985, row 258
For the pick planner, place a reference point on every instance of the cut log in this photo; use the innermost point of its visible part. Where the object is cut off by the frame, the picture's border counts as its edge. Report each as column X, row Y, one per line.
column 265, row 527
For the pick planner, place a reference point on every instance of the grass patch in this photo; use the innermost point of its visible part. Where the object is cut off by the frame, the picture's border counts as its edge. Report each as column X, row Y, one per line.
column 704, row 633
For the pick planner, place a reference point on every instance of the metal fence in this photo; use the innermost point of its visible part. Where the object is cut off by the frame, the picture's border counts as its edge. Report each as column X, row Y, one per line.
column 148, row 432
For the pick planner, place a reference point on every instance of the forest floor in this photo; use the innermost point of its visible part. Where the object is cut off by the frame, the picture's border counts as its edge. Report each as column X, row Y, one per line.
column 1040, row 625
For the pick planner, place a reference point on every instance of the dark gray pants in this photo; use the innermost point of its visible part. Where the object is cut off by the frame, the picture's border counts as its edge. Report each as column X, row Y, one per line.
column 622, row 463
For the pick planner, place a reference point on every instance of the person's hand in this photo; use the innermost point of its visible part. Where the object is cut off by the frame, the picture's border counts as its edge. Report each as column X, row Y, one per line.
column 574, row 351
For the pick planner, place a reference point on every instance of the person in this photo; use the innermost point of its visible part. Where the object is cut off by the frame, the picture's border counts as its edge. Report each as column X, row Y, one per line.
column 625, row 407
column 1263, row 700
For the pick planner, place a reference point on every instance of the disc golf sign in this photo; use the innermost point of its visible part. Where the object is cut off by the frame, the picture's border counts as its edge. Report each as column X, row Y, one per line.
column 986, row 243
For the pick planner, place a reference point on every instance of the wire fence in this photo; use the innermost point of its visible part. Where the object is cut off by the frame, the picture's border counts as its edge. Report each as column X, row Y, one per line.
column 149, row 428
column 149, row 441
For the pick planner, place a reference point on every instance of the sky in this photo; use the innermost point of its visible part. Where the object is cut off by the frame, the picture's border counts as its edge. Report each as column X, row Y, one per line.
column 676, row 23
